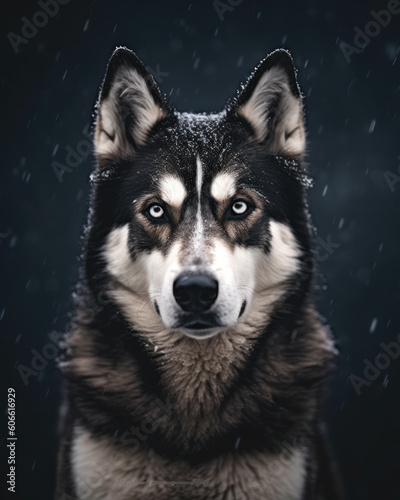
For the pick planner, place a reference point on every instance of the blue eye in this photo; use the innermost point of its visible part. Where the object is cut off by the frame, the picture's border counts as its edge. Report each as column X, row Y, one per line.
column 239, row 210
column 239, row 207
column 156, row 211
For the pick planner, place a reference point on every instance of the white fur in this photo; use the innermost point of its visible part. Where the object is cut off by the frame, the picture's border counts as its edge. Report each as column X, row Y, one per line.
column 199, row 228
column 243, row 274
column 255, row 276
column 142, row 280
column 282, row 261
column 223, row 186
column 119, row 262
column 172, row 190
column 290, row 113
column 133, row 90
column 104, row 470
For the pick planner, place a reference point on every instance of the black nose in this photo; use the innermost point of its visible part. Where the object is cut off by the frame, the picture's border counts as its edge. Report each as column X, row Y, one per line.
column 195, row 292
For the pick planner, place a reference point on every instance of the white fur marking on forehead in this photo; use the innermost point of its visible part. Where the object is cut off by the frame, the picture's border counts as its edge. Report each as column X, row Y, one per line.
column 223, row 186
column 172, row 190
column 199, row 177
column 199, row 229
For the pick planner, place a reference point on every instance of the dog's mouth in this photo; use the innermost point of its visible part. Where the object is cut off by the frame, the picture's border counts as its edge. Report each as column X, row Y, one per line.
column 205, row 326
column 200, row 326
column 200, row 330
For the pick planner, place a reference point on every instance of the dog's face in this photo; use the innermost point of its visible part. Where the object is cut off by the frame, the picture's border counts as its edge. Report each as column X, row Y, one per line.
column 200, row 218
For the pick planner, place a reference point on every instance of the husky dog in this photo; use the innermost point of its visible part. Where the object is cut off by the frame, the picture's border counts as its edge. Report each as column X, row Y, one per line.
column 196, row 362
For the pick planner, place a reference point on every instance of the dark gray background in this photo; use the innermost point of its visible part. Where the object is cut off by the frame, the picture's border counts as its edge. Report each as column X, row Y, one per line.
column 48, row 90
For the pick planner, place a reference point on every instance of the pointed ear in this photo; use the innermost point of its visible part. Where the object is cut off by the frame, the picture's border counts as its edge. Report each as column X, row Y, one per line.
column 271, row 103
column 129, row 105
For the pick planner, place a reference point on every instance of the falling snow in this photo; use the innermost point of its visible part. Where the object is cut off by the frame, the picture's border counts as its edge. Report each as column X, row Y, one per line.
column 373, row 326
column 372, row 126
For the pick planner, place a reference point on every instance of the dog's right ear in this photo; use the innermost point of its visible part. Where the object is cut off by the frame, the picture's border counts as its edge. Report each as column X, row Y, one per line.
column 129, row 105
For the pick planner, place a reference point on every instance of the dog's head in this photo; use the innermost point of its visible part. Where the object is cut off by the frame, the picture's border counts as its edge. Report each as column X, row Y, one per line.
column 199, row 222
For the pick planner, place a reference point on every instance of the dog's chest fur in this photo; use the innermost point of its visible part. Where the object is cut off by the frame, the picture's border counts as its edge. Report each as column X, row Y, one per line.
column 106, row 471
column 197, row 378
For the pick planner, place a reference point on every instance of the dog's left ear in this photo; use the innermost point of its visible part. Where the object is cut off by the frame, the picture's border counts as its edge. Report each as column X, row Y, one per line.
column 271, row 103
column 129, row 106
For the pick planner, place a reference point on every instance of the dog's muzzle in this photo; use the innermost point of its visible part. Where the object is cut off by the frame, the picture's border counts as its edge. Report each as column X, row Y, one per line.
column 195, row 293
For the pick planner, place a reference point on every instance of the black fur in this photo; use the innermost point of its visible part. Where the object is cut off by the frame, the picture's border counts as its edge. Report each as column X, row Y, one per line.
column 224, row 142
